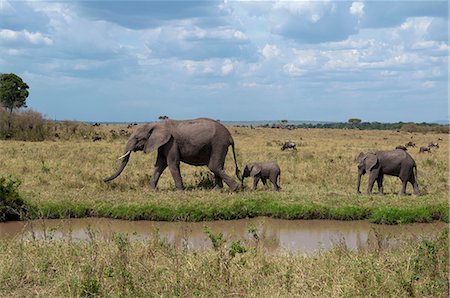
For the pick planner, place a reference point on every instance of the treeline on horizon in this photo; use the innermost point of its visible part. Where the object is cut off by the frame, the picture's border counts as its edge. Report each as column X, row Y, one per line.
column 399, row 126
column 29, row 125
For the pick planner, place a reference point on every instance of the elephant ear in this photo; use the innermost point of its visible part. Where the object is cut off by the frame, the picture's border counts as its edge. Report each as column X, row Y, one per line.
column 255, row 171
column 360, row 157
column 159, row 135
column 371, row 161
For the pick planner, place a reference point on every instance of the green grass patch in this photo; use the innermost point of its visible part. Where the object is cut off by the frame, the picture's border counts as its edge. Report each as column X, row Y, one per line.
column 389, row 215
column 235, row 209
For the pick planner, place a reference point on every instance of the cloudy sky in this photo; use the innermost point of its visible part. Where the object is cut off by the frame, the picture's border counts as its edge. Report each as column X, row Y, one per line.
column 230, row 60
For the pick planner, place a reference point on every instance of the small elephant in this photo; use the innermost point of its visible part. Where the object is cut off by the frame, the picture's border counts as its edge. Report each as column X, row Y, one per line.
column 263, row 171
column 394, row 163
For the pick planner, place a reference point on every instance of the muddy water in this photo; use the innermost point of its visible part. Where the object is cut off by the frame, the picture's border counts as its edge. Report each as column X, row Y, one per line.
column 275, row 235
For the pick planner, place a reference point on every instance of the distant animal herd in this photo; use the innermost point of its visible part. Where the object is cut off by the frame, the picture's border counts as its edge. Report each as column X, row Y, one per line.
column 422, row 149
column 205, row 142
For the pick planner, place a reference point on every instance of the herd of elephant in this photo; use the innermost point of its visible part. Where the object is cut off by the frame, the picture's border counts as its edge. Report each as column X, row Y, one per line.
column 205, row 142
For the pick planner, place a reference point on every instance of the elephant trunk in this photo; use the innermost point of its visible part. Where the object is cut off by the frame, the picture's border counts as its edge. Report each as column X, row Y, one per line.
column 128, row 149
column 359, row 182
column 122, row 165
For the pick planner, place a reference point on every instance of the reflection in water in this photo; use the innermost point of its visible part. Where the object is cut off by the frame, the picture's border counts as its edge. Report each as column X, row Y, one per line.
column 301, row 236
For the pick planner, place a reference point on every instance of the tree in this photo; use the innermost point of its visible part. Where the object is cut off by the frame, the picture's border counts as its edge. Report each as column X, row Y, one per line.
column 13, row 92
column 354, row 120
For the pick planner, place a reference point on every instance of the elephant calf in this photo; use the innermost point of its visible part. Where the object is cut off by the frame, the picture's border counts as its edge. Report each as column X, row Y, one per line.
column 263, row 171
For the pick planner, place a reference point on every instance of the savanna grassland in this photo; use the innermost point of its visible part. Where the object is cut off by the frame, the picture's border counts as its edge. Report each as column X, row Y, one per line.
column 119, row 268
column 62, row 178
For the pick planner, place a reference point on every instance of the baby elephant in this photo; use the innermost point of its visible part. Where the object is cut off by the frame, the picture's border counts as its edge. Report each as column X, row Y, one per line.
column 263, row 171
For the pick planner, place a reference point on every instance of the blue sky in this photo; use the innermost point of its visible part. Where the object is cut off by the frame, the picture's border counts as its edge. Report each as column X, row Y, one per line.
column 230, row 60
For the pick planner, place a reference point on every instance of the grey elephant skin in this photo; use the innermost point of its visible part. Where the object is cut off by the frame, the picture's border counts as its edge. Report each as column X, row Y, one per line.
column 198, row 142
column 394, row 163
column 263, row 171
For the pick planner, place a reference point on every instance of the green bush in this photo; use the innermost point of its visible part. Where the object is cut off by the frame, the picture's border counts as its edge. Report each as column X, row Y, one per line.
column 11, row 204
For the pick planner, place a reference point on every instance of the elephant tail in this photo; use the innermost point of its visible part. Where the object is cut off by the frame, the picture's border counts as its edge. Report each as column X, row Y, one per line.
column 238, row 173
column 415, row 170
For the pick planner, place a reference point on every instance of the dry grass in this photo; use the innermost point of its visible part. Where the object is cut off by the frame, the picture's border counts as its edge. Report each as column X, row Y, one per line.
column 119, row 268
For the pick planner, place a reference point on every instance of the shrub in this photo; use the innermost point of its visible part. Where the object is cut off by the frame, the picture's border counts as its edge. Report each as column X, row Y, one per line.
column 26, row 125
column 11, row 204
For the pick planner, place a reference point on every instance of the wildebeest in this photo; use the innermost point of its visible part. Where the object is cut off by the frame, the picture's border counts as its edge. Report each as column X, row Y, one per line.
column 288, row 145
column 410, row 144
column 424, row 149
column 432, row 144
column 96, row 138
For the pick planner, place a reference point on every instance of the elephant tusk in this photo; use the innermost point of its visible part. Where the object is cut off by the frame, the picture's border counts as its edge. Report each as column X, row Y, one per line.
column 123, row 156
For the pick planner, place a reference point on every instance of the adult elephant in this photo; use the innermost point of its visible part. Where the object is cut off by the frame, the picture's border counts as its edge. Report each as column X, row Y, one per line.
column 198, row 142
column 395, row 163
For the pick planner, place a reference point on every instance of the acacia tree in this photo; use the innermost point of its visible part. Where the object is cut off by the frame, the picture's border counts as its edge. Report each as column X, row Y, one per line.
column 13, row 93
column 354, row 120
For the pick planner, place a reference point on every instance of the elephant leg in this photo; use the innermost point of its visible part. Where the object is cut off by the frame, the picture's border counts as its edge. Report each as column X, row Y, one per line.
column 220, row 173
column 380, row 184
column 255, row 182
column 372, row 178
column 403, row 190
column 176, row 175
column 216, row 164
column 218, row 182
column 160, row 166
column 264, row 181
column 414, row 184
column 273, row 179
column 173, row 161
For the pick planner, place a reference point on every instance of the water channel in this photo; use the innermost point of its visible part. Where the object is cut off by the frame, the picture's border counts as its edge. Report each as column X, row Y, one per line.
column 275, row 235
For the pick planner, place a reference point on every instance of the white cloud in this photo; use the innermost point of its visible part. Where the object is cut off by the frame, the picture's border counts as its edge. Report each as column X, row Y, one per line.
column 305, row 57
column 428, row 84
column 227, row 67
column 429, row 44
column 293, row 70
column 357, row 9
column 192, row 67
column 239, row 35
column 270, row 51
column 199, row 33
column 34, row 38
